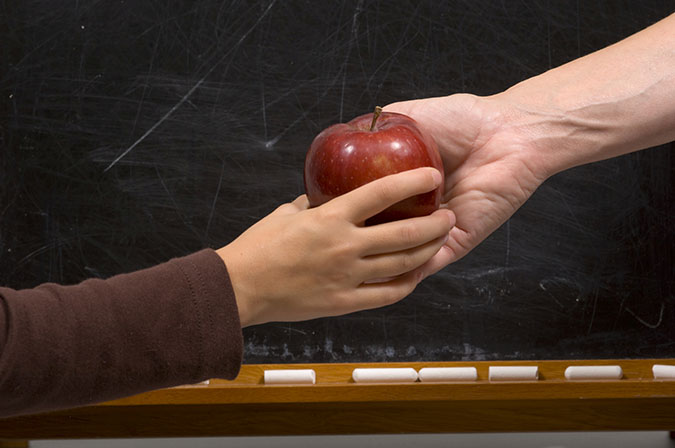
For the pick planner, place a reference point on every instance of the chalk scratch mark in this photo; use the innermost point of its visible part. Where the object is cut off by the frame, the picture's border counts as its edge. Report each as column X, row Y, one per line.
column 645, row 323
column 191, row 91
column 353, row 38
column 173, row 201
column 145, row 85
column 289, row 329
column 215, row 199
column 595, row 307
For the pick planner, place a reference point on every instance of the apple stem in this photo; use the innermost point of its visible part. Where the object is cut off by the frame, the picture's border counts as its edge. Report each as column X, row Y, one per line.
column 376, row 115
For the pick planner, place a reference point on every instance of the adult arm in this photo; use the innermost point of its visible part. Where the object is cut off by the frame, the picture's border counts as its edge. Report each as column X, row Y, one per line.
column 497, row 150
column 614, row 101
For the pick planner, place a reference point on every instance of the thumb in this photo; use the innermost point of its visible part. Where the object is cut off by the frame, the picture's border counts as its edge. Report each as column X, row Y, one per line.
column 402, row 107
column 299, row 204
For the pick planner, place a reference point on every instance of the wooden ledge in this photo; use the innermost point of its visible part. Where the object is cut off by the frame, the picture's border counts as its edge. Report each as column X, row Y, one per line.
column 336, row 405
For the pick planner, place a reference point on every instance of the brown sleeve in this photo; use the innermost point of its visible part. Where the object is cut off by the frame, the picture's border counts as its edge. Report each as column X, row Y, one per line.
column 65, row 346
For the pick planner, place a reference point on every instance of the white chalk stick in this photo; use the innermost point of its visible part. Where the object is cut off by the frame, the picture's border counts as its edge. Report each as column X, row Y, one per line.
column 593, row 373
column 513, row 373
column 299, row 376
column 385, row 375
column 663, row 372
column 440, row 374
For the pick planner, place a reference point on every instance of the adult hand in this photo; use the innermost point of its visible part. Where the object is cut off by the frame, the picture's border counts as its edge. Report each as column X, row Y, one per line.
column 490, row 164
column 497, row 150
column 300, row 263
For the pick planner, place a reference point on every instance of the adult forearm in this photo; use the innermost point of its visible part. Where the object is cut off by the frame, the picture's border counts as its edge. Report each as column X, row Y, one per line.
column 611, row 102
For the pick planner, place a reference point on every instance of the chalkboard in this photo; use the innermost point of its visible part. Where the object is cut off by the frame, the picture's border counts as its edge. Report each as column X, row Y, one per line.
column 133, row 132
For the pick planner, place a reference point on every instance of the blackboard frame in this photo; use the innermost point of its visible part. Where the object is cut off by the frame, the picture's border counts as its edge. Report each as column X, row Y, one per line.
column 336, row 405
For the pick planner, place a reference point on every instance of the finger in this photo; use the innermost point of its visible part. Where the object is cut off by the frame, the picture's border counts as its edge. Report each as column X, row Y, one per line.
column 441, row 259
column 373, row 197
column 376, row 295
column 407, row 233
column 395, row 264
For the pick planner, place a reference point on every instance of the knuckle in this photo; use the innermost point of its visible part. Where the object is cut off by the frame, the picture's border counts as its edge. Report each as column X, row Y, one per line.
column 309, row 230
column 284, row 208
column 409, row 233
column 387, row 190
column 339, row 276
column 407, row 263
column 345, row 251
column 328, row 215
column 342, row 260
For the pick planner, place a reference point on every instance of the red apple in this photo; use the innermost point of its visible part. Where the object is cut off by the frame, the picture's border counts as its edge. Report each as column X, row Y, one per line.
column 347, row 155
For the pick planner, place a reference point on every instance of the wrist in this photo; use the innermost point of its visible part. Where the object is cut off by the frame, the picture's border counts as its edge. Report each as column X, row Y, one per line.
column 555, row 135
column 241, row 295
column 589, row 109
column 524, row 131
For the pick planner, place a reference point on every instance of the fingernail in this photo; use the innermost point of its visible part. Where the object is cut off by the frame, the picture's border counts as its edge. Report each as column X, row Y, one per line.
column 437, row 176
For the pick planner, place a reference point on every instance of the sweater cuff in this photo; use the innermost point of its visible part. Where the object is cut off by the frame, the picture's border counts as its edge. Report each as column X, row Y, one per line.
column 215, row 302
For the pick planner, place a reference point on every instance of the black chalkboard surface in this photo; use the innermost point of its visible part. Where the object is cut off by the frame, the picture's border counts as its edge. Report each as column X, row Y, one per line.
column 133, row 132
